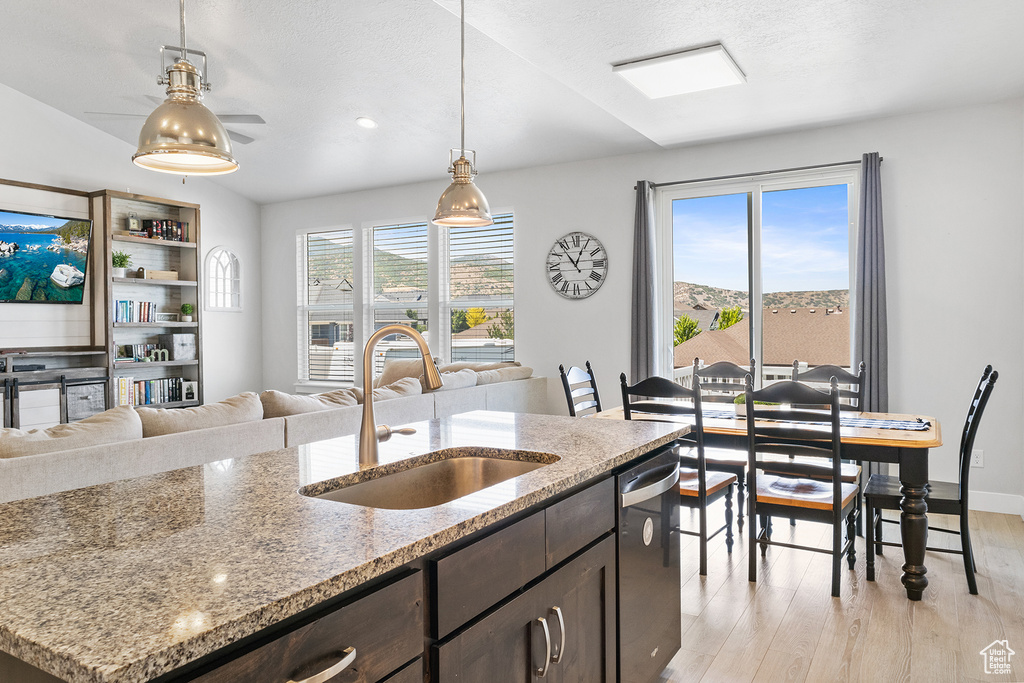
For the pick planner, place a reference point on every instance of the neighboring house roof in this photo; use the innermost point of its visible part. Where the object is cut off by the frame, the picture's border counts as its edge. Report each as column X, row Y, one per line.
column 703, row 316
column 817, row 338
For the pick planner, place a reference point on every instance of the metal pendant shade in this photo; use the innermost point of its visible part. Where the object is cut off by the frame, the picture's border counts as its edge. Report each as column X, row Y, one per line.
column 463, row 204
column 182, row 136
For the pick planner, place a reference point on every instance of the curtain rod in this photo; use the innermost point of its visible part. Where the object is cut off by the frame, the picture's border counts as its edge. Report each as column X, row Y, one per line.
column 757, row 173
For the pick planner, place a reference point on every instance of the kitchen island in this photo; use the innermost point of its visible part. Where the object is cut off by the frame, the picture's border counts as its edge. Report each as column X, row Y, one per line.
column 133, row 580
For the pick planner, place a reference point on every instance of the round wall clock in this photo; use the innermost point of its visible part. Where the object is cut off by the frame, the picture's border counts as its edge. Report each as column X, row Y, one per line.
column 577, row 265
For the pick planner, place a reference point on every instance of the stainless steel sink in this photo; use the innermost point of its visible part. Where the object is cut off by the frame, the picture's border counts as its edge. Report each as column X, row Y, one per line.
column 458, row 473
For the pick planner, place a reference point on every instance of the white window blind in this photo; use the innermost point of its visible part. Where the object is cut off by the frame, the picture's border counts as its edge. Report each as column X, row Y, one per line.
column 481, row 291
column 329, row 306
column 400, row 286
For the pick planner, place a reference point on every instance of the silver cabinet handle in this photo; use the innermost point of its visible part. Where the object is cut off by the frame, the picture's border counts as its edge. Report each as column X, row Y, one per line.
column 541, row 671
column 348, row 657
column 559, row 651
column 646, row 493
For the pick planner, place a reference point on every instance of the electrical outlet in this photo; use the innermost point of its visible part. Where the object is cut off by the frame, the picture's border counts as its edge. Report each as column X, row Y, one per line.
column 977, row 458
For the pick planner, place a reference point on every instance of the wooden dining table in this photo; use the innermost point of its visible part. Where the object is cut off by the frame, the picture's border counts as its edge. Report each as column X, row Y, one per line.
column 906, row 448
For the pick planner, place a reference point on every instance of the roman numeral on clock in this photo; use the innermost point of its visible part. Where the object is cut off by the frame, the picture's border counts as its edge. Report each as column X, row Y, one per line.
column 595, row 276
column 557, row 278
column 599, row 263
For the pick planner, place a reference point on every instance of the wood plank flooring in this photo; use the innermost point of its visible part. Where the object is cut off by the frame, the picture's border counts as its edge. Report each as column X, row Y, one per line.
column 787, row 627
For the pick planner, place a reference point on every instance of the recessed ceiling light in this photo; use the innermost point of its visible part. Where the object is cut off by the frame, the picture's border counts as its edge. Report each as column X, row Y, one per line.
column 704, row 68
column 366, row 122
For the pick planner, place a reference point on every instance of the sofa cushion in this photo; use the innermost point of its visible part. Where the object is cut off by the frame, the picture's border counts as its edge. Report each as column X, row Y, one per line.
column 455, row 380
column 245, row 407
column 478, row 367
column 503, row 374
column 110, row 426
column 399, row 368
column 278, row 403
column 407, row 386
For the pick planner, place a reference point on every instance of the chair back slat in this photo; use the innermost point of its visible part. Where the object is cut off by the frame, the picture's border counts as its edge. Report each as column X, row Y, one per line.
column 580, row 388
column 823, row 374
column 722, row 370
column 974, row 413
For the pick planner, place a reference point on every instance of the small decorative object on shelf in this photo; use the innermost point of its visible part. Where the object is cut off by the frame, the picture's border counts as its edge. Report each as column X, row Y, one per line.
column 120, row 260
column 167, row 317
column 186, row 312
column 190, row 390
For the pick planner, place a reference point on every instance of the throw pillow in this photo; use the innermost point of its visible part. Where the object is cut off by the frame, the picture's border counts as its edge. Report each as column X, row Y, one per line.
column 503, row 375
column 456, row 380
column 479, row 367
column 278, row 403
column 397, row 368
column 110, row 426
column 245, row 407
column 407, row 386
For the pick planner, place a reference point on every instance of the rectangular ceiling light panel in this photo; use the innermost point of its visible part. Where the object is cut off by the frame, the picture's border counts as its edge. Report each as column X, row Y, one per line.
column 705, row 68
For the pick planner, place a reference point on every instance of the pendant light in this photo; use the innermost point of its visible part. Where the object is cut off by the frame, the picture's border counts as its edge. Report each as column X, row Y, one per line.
column 463, row 204
column 181, row 135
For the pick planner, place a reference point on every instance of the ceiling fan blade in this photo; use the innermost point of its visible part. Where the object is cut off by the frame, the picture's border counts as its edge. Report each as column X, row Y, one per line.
column 116, row 113
column 240, row 118
column 239, row 138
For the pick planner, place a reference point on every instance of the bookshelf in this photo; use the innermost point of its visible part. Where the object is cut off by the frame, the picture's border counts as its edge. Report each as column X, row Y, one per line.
column 111, row 210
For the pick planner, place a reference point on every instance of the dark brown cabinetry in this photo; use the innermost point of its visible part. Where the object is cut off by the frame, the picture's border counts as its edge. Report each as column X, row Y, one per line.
column 560, row 629
column 383, row 630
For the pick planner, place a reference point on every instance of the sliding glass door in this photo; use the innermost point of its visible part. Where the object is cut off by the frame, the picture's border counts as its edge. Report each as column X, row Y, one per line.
column 758, row 268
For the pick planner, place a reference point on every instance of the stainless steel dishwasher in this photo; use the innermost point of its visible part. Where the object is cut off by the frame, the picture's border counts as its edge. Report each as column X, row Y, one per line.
column 648, row 567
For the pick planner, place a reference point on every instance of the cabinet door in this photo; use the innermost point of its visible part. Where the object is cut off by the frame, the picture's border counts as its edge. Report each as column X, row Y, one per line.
column 508, row 646
column 584, row 593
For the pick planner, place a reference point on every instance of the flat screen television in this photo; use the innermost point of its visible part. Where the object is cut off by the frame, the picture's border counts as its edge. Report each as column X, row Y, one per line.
column 43, row 259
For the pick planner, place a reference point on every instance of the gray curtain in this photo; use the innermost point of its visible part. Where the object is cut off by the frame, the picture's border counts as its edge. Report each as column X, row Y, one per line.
column 870, row 329
column 642, row 317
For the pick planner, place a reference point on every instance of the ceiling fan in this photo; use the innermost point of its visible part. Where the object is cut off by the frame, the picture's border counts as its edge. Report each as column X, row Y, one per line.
column 235, row 136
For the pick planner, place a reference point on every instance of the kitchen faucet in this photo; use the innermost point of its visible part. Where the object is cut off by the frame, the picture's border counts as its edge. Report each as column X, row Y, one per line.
column 369, row 431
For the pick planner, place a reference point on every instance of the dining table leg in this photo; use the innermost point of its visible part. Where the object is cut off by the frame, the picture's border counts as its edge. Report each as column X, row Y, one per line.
column 914, row 519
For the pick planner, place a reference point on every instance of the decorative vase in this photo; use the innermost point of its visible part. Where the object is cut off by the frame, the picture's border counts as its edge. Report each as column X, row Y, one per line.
column 186, row 318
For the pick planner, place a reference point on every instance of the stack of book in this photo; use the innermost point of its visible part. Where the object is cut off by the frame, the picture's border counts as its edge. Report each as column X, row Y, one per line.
column 134, row 311
column 171, row 231
column 143, row 392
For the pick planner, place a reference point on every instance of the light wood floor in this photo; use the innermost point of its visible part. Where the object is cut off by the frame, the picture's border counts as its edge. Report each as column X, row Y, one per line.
column 787, row 627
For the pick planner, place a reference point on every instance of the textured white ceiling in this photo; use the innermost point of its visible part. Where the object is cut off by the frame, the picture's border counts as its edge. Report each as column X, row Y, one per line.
column 539, row 80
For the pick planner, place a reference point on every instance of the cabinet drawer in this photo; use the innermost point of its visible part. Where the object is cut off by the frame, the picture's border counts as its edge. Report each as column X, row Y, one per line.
column 411, row 673
column 385, row 628
column 470, row 580
column 578, row 520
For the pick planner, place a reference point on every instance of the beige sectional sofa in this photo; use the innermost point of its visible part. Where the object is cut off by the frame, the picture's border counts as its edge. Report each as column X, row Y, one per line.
column 35, row 475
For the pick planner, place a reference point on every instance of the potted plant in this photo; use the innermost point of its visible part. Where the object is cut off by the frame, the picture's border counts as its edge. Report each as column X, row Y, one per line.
column 186, row 312
column 120, row 260
column 741, row 404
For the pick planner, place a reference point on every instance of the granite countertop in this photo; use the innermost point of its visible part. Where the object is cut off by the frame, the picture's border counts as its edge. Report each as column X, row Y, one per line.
column 130, row 580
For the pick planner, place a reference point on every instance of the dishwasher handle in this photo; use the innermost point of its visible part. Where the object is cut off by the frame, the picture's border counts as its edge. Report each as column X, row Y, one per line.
column 650, row 491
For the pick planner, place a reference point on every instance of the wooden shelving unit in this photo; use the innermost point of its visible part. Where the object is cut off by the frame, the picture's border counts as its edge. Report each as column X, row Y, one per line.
column 110, row 212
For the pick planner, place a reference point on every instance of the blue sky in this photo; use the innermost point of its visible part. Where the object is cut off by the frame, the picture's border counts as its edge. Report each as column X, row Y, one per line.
column 36, row 222
column 804, row 240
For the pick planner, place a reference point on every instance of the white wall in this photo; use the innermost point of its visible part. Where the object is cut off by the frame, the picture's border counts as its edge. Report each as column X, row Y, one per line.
column 43, row 145
column 953, row 192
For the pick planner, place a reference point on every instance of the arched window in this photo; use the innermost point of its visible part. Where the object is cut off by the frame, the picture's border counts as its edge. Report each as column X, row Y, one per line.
column 223, row 281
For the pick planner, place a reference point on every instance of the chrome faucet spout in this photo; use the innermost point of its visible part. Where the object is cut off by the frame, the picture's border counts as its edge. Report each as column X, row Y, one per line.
column 368, row 432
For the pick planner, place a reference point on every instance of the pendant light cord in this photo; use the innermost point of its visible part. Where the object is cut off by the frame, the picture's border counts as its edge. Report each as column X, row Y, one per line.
column 463, row 113
column 184, row 52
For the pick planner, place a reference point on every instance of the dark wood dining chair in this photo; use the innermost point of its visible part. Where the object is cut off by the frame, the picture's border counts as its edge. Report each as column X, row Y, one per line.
column 580, row 390
column 721, row 383
column 698, row 487
column 795, row 489
column 943, row 498
column 851, row 397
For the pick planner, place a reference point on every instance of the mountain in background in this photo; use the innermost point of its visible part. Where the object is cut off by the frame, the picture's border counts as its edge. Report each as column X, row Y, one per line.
column 687, row 295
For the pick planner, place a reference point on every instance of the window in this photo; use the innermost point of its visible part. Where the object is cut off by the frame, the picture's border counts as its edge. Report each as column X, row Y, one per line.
column 760, row 268
column 480, row 292
column 453, row 285
column 328, row 316
column 223, row 281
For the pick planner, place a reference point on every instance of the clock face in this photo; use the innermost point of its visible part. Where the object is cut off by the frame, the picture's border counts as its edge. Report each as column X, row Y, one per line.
column 577, row 265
